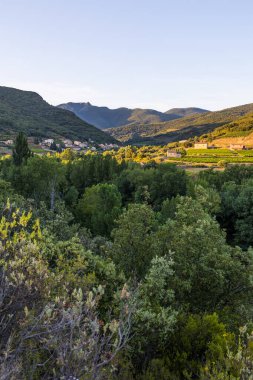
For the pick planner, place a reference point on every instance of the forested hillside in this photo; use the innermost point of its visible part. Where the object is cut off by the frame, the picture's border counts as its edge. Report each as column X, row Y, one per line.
column 243, row 126
column 26, row 111
column 104, row 117
column 110, row 269
column 180, row 129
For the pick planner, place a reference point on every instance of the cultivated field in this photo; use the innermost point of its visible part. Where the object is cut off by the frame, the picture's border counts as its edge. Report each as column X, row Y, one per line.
column 215, row 156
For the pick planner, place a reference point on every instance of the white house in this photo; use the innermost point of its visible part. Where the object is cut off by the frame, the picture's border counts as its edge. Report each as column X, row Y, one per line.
column 48, row 141
column 83, row 145
column 67, row 142
column 237, row 146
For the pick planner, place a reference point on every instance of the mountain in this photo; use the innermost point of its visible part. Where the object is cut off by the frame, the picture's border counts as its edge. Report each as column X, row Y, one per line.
column 27, row 111
column 104, row 117
column 181, row 112
column 180, row 128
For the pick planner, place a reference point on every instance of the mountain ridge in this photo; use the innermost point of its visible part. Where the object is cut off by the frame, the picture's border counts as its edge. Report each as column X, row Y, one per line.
column 105, row 118
column 27, row 111
column 181, row 128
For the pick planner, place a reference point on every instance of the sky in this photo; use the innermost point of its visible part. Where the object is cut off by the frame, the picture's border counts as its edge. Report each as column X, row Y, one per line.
column 155, row 54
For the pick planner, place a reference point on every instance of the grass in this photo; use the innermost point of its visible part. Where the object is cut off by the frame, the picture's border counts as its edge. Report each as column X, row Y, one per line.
column 211, row 152
column 37, row 150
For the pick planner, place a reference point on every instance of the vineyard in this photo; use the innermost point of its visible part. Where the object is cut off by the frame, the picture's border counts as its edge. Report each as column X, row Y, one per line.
column 214, row 156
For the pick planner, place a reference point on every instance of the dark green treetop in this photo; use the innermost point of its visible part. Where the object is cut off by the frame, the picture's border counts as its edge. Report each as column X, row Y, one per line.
column 21, row 151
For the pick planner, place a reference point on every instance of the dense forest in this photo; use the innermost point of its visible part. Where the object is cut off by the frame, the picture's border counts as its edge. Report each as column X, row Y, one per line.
column 111, row 269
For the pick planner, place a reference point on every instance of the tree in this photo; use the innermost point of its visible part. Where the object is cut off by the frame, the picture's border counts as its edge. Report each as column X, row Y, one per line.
column 236, row 364
column 41, row 179
column 74, row 340
column 237, row 211
column 155, row 311
column 58, row 222
column 168, row 182
column 209, row 274
column 99, row 208
column 133, row 245
column 243, row 208
column 49, row 327
column 21, row 151
column 208, row 198
column 53, row 146
column 196, row 344
column 92, row 169
column 7, row 194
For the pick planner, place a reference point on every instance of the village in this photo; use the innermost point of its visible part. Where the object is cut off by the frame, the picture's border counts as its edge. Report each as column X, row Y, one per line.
column 50, row 145
column 76, row 145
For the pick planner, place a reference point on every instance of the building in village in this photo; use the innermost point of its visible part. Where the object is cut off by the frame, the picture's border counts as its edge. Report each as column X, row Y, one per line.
column 201, row 145
column 48, row 142
column 68, row 143
column 237, row 146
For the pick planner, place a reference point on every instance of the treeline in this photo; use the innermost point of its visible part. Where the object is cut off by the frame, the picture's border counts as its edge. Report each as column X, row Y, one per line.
column 115, row 270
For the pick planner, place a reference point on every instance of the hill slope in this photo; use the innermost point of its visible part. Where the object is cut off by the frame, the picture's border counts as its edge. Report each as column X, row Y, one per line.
column 239, row 131
column 104, row 117
column 238, row 128
column 181, row 112
column 181, row 128
column 27, row 111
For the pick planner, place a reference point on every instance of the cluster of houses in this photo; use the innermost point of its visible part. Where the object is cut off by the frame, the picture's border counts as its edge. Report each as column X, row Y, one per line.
column 74, row 145
column 108, row 146
column 7, row 142
column 77, row 145
column 50, row 144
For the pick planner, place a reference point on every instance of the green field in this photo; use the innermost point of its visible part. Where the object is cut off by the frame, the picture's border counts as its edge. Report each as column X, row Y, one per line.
column 214, row 156
column 37, row 150
column 211, row 152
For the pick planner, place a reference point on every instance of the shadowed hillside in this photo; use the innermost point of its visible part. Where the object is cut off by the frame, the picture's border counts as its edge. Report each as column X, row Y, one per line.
column 181, row 128
column 104, row 117
column 26, row 111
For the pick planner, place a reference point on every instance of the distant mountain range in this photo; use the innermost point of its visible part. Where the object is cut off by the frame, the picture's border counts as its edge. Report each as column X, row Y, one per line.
column 212, row 123
column 147, row 126
column 26, row 111
column 104, row 117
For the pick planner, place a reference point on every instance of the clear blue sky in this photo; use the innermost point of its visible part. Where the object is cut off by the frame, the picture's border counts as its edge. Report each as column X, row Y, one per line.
column 136, row 53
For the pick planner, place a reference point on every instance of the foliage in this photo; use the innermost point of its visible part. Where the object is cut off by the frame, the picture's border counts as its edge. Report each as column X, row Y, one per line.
column 99, row 208
column 45, row 333
column 207, row 270
column 21, row 151
column 111, row 269
column 133, row 245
